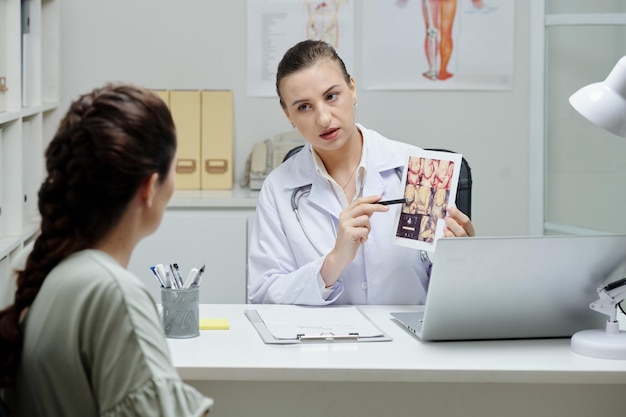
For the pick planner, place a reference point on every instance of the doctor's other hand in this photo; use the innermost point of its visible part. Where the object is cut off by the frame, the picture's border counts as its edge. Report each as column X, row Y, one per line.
column 353, row 230
column 457, row 224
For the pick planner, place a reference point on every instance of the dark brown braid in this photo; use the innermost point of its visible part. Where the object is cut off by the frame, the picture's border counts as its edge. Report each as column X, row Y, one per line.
column 108, row 143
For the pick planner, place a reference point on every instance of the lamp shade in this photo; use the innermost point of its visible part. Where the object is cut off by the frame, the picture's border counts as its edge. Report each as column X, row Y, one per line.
column 604, row 103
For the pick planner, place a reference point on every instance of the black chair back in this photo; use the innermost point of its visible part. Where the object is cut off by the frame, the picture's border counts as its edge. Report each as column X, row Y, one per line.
column 292, row 152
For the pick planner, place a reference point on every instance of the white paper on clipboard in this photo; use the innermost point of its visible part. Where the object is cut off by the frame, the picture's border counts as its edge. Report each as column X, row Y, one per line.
column 283, row 324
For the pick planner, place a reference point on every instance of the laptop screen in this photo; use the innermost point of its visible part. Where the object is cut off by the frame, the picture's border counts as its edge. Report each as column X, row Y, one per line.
column 519, row 287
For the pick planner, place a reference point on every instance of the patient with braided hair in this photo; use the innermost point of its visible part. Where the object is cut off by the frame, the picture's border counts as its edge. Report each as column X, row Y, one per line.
column 83, row 337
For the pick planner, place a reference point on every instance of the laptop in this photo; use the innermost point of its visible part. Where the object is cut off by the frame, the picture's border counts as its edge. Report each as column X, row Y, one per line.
column 516, row 287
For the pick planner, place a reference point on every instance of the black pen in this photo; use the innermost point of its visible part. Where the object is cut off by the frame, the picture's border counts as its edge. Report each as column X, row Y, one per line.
column 398, row 201
column 176, row 274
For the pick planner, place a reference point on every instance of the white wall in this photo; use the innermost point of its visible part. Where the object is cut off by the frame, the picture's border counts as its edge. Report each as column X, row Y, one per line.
column 200, row 44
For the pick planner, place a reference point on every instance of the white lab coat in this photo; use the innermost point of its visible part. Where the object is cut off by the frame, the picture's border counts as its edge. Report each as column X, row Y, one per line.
column 283, row 266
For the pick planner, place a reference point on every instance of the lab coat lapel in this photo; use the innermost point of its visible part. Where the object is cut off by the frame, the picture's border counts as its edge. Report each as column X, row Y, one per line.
column 374, row 184
column 302, row 172
column 381, row 160
column 323, row 197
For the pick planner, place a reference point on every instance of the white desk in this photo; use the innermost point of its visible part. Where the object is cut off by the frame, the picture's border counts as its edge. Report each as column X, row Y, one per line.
column 399, row 378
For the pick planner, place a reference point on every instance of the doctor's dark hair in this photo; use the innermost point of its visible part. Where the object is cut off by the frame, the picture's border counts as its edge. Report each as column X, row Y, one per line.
column 110, row 141
column 303, row 55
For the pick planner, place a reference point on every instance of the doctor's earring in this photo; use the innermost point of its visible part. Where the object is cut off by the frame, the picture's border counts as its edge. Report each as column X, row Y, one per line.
column 356, row 104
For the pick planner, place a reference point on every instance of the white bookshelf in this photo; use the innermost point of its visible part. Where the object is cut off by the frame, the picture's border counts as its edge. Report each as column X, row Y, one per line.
column 29, row 69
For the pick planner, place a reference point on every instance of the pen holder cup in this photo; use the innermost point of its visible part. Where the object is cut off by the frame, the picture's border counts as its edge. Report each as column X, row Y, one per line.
column 181, row 313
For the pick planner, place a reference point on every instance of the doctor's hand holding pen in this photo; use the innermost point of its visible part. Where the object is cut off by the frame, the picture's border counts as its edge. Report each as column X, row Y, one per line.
column 353, row 230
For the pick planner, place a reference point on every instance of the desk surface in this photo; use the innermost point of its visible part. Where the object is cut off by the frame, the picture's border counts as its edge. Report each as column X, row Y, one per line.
column 239, row 354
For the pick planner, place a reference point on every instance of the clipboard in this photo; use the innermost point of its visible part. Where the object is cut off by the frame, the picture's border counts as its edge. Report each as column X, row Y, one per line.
column 315, row 337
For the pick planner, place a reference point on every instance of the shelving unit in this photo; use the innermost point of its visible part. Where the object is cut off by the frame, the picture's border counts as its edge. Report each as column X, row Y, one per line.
column 29, row 99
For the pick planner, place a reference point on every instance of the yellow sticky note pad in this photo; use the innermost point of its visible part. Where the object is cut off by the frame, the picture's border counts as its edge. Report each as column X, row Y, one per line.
column 214, row 324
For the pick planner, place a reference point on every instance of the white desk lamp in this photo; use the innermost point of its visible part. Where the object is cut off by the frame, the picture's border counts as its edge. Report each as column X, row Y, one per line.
column 604, row 103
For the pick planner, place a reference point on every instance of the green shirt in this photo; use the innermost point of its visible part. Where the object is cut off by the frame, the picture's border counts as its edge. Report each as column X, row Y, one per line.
column 94, row 346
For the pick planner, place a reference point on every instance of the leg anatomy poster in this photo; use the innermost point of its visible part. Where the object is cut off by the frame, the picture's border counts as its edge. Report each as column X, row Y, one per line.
column 276, row 25
column 438, row 44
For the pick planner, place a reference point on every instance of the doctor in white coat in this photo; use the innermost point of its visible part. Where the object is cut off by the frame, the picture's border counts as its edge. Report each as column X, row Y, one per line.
column 340, row 250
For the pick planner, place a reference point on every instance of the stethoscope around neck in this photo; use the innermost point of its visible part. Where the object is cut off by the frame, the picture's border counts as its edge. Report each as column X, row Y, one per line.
column 297, row 194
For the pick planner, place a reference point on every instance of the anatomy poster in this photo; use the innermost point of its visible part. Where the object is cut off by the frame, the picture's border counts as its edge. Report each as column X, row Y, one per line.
column 276, row 25
column 430, row 183
column 438, row 44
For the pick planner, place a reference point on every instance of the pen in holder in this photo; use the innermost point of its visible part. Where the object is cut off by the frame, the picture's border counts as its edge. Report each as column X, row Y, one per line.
column 181, row 313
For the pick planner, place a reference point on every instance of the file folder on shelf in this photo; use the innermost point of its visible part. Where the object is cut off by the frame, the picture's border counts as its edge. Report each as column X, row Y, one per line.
column 185, row 109
column 164, row 95
column 205, row 130
column 217, row 140
column 288, row 324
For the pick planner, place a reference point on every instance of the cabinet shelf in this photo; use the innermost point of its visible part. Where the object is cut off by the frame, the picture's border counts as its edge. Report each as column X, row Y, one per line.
column 9, row 116
column 29, row 66
column 237, row 198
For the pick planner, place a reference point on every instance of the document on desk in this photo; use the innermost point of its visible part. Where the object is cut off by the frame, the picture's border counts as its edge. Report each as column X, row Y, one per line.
column 286, row 324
